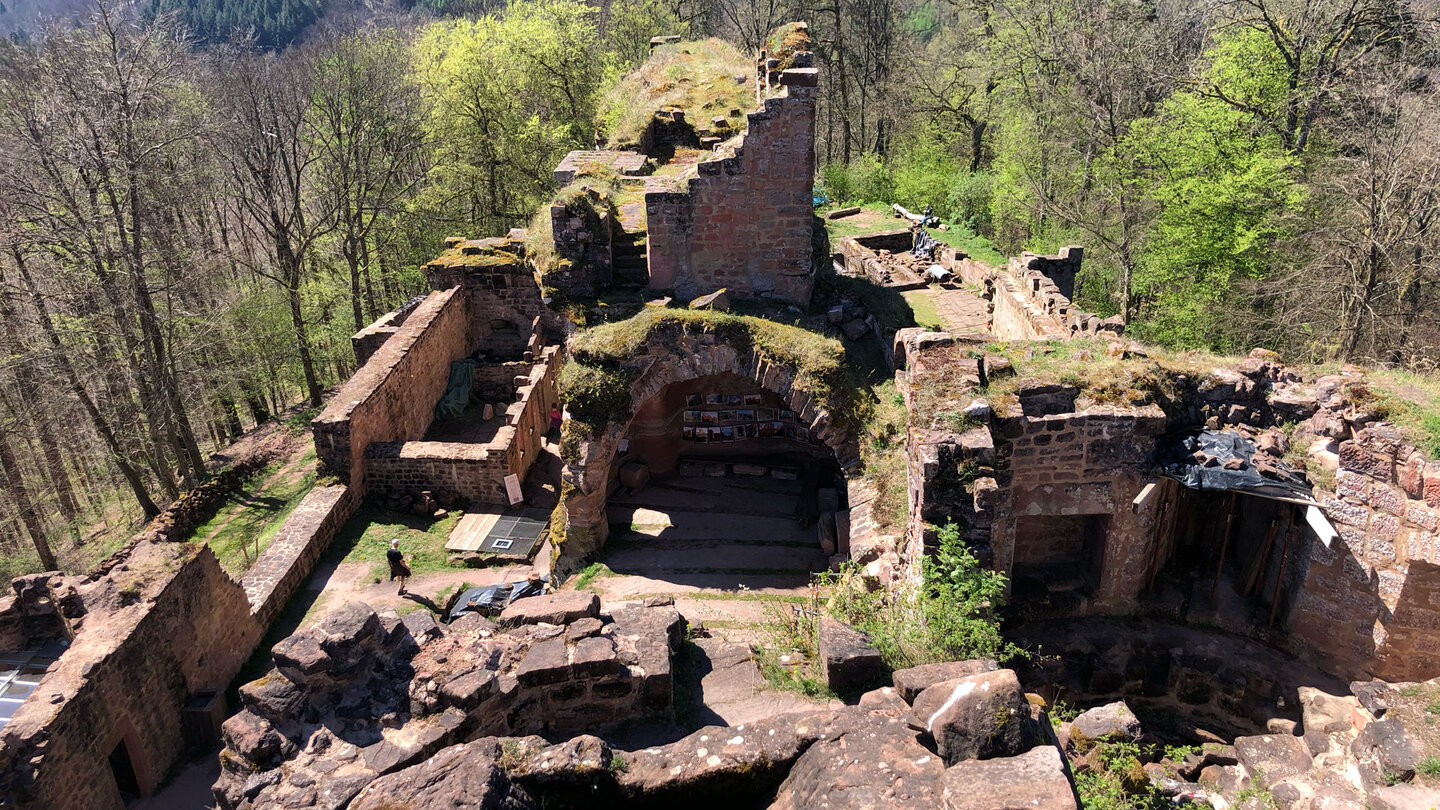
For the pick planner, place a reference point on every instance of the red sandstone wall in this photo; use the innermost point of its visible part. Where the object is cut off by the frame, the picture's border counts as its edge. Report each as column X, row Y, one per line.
column 393, row 396
column 126, row 678
column 302, row 538
column 474, row 471
column 746, row 225
column 1371, row 601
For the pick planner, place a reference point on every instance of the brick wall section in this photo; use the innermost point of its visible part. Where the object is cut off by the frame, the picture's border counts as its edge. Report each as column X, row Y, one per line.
column 1093, row 462
column 125, row 678
column 1372, row 599
column 744, row 222
column 273, row 578
column 474, row 471
column 368, row 340
column 587, row 247
column 393, row 396
column 501, row 291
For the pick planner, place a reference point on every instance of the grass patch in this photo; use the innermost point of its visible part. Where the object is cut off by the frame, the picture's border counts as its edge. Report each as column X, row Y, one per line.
column 882, row 449
column 704, row 78
column 1429, row 766
column 243, row 529
column 591, row 572
column 1412, row 402
column 922, row 304
column 972, row 244
column 366, row 538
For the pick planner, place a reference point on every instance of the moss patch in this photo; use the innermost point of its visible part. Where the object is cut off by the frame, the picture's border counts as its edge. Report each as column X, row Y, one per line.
column 592, row 382
column 699, row 78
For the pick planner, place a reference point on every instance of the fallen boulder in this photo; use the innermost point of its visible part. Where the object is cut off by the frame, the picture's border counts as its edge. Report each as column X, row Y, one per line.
column 1033, row 779
column 1113, row 722
column 911, row 682
column 553, row 608
column 977, row 717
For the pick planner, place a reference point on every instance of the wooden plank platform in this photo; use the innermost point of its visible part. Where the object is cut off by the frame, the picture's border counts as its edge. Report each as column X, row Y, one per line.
column 471, row 530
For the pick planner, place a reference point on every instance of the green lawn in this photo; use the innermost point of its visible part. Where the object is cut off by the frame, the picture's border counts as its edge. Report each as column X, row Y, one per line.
column 245, row 526
column 922, row 305
column 366, row 538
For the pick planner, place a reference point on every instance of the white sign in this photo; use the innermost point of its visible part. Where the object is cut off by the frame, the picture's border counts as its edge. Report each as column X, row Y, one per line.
column 512, row 489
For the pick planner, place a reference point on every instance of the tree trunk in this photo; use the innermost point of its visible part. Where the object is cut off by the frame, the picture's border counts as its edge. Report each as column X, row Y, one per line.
column 31, row 518
column 302, row 342
column 132, row 475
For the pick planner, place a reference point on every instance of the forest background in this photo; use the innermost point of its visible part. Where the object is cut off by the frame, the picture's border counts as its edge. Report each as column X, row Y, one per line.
column 201, row 200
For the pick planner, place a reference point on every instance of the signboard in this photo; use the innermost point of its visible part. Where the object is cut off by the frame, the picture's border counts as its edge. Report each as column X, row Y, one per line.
column 512, row 489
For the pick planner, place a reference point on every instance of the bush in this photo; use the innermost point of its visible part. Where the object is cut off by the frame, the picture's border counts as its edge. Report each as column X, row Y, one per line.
column 967, row 201
column 950, row 616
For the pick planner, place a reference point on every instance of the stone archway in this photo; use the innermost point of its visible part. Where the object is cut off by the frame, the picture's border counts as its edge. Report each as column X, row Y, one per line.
column 678, row 349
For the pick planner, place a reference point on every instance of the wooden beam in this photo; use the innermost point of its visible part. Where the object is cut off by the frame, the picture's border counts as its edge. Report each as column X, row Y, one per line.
column 1280, row 575
column 1224, row 544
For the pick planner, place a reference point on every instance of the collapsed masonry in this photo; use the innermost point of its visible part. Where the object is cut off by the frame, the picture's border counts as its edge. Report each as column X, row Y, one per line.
column 739, row 218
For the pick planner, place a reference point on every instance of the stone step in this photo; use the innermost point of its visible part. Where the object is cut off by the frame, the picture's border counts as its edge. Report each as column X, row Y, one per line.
column 728, row 558
column 674, row 525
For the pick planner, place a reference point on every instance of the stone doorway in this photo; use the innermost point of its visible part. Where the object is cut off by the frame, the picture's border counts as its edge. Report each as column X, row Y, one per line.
column 123, row 769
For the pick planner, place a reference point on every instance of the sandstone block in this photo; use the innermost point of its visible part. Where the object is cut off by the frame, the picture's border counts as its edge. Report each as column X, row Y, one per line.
column 546, row 662
column 594, row 657
column 455, row 777
column 911, row 682
column 469, row 691
column 553, row 608
column 1404, row 797
column 1112, row 722
column 1385, row 752
column 976, row 717
column 1033, row 779
column 1277, row 756
column 847, row 659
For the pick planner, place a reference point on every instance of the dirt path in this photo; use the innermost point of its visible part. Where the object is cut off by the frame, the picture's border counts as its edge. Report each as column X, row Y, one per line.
column 294, row 468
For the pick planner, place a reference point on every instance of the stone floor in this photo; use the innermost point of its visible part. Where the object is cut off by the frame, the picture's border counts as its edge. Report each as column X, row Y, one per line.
column 730, row 554
column 961, row 310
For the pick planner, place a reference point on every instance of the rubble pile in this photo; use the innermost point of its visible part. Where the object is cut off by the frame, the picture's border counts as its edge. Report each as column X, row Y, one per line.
column 362, row 694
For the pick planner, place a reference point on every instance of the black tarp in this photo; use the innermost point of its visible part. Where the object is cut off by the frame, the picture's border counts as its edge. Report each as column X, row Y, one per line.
column 1180, row 458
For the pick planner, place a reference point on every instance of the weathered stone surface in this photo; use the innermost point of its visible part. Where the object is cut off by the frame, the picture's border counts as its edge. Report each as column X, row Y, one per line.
column 1375, row 696
column 468, row 691
column 546, row 662
column 885, row 698
column 594, row 657
column 1385, row 752
column 977, row 717
column 455, row 777
column 553, row 608
column 1326, row 713
column 1277, row 756
column 1034, row 779
column 1209, row 754
column 880, row 763
column 911, row 682
column 848, row 661
column 1112, row 722
column 1405, row 797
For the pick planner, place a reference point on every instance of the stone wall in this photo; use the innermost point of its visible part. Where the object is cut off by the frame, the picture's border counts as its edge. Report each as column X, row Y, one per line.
column 273, row 578
column 371, row 338
column 863, row 258
column 392, row 397
column 743, row 221
column 166, row 624
column 500, row 287
column 584, row 247
column 474, row 471
column 1366, row 604
column 1372, row 597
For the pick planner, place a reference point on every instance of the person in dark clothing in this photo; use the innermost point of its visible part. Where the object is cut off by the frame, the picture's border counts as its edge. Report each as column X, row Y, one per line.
column 398, row 569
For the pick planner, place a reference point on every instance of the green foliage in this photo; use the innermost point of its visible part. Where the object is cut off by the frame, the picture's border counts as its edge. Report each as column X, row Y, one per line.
column 275, row 23
column 791, row 630
column 1224, row 191
column 950, row 615
column 1119, row 782
column 1429, row 766
column 589, row 574
column 594, row 394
